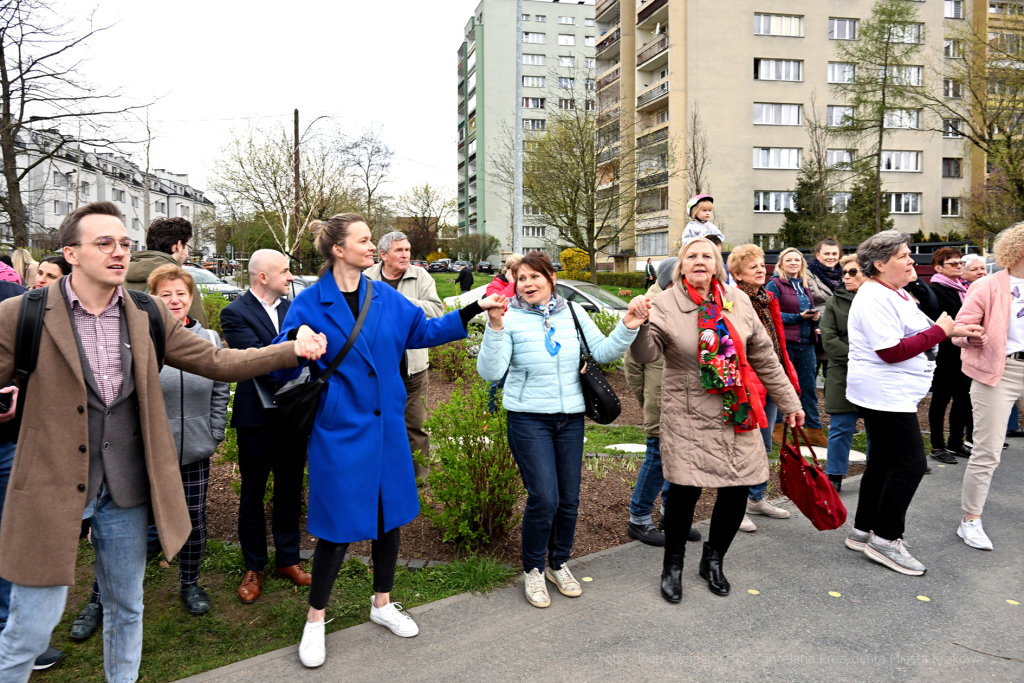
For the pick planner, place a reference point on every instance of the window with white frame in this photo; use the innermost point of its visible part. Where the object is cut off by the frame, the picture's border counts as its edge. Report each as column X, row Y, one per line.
column 778, row 25
column 566, row 39
column 566, row 103
column 905, row 202
column 838, row 115
column 533, row 231
column 471, row 149
column 905, row 161
column 63, row 208
column 135, row 202
column 590, row 105
column 161, row 207
column 652, row 243
column 768, row 201
column 117, row 195
column 951, row 128
column 589, row 84
column 564, row 82
column 842, row 29
column 124, row 219
column 778, row 69
column 907, row 33
column 533, row 103
column 530, row 210
column 183, row 210
column 588, row 22
column 533, row 124
column 589, row 41
column 661, row 117
column 839, row 201
column 954, row 9
column 901, row 75
column 952, row 48
column 950, row 207
column 951, row 88
column 903, row 118
column 841, row 72
column 540, row 18
column 60, row 180
column 526, row 17
column 536, row 38
column 533, row 60
column 567, row 20
column 839, row 158
column 84, row 189
column 567, row 62
column 590, row 63
column 533, row 81
column 777, row 114
column 777, row 157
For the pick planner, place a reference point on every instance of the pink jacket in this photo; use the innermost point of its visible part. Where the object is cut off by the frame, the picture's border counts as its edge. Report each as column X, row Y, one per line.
column 987, row 304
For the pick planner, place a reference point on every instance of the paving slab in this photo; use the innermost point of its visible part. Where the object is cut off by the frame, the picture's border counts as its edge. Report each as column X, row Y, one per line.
column 820, row 613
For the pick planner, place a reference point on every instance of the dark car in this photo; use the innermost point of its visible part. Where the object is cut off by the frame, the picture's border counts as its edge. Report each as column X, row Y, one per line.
column 459, row 265
column 558, row 267
column 441, row 265
column 485, row 267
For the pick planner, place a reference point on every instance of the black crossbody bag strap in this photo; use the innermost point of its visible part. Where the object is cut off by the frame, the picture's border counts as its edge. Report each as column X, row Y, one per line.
column 363, row 311
column 26, row 344
column 579, row 330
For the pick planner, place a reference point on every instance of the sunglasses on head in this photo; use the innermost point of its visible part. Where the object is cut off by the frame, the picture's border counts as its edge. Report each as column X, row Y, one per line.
column 851, row 272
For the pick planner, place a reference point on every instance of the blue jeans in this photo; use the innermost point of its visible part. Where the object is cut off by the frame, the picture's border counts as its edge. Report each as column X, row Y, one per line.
column 771, row 411
column 649, row 482
column 841, row 427
column 803, row 359
column 119, row 537
column 6, row 460
column 1012, row 425
column 549, row 452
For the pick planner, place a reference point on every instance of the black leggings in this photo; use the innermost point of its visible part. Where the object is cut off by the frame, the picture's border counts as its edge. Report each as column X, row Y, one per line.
column 328, row 557
column 895, row 469
column 950, row 385
column 680, row 504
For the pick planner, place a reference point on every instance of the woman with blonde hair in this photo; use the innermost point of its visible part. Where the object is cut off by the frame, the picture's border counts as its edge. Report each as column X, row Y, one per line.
column 24, row 265
column 800, row 321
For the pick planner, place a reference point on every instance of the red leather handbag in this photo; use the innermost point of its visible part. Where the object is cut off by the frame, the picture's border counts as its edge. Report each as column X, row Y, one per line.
column 807, row 485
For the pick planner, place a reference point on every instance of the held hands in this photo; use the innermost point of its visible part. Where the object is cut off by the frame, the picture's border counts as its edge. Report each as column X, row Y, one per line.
column 309, row 344
column 978, row 342
column 794, row 419
column 972, row 332
column 9, row 415
column 639, row 310
column 495, row 307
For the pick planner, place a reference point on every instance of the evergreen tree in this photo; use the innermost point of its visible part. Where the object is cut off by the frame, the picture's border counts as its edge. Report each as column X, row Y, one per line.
column 813, row 220
column 861, row 219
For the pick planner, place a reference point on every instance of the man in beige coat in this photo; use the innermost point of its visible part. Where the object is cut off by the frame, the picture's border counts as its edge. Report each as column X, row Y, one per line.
column 112, row 459
column 416, row 285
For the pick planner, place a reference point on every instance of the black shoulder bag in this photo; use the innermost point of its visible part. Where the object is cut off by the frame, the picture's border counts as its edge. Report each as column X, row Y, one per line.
column 298, row 399
column 602, row 405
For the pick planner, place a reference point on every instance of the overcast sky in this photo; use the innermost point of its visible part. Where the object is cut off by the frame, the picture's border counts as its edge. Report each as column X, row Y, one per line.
column 217, row 65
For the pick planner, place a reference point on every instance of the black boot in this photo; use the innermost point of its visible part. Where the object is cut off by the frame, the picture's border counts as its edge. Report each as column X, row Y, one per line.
column 711, row 569
column 671, row 578
column 837, row 481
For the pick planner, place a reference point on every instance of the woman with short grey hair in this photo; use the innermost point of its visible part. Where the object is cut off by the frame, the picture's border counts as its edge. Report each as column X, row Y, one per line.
column 891, row 362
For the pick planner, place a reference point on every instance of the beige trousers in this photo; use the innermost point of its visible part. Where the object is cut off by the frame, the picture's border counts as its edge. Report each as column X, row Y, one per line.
column 415, row 413
column 992, row 406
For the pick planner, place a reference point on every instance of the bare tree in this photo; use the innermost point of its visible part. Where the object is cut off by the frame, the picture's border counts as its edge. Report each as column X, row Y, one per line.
column 698, row 155
column 424, row 208
column 370, row 159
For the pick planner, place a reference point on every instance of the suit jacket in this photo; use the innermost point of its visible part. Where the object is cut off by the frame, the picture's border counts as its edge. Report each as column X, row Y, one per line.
column 246, row 325
column 47, row 495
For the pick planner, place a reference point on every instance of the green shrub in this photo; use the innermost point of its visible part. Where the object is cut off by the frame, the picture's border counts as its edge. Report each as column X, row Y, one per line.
column 212, row 304
column 472, row 472
column 576, row 262
column 634, row 281
column 606, row 321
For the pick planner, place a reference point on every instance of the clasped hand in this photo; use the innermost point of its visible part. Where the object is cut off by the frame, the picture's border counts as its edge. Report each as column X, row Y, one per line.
column 638, row 312
column 309, row 344
column 975, row 333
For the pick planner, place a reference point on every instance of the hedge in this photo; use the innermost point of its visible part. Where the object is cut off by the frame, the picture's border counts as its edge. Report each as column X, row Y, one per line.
column 634, row 280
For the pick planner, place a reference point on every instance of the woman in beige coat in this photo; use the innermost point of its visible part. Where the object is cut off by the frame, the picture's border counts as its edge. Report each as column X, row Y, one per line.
column 713, row 343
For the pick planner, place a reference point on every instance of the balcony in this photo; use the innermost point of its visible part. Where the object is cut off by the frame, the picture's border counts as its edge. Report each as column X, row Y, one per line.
column 655, row 93
column 609, row 40
column 649, row 52
column 603, row 5
column 653, row 180
column 607, row 155
column 461, row 164
column 648, row 9
column 608, row 117
column 651, row 138
column 609, row 78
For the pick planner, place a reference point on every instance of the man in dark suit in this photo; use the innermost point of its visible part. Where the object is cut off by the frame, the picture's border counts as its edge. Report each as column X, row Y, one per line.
column 266, row 443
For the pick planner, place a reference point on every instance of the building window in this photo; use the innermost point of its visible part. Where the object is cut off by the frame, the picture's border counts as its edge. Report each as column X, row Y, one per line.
column 83, row 189
column 903, row 118
column 540, row 18
column 533, row 124
column 954, row 9
column 161, row 207
column 768, row 241
column 951, row 88
column 652, row 201
column 63, row 208
column 841, row 72
column 526, row 17
column 839, row 201
column 951, row 128
column 766, row 201
column 908, row 33
column 588, row 22
column 590, row 105
column 590, row 62
column 951, row 168
column 837, row 116
column 536, row 38
column 778, row 69
column 778, row 25
column 533, row 231
column 902, row 75
column 777, row 157
column 471, row 107
column 950, row 207
column 567, row 20
column 776, row 114
column 533, row 103
column 533, row 60
column 953, row 49
column 533, row 81
column 118, row 195
column 589, row 41
column 135, row 201
column 839, row 158
column 529, row 210
column 566, row 39
column 566, row 103
column 136, row 224
column 564, row 82
column 567, row 62
column 661, row 117
column 652, row 244
column 589, row 84
column 842, row 29
column 907, row 162
column 905, row 202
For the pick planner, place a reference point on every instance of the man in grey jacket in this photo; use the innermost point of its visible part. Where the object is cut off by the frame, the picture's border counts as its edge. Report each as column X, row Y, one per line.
column 418, row 287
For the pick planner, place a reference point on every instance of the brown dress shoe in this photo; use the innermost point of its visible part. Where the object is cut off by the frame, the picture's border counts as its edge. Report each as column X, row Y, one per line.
column 816, row 436
column 777, row 433
column 295, row 573
column 249, row 591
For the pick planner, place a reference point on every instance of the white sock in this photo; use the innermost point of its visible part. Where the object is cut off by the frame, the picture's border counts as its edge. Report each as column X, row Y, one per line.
column 882, row 541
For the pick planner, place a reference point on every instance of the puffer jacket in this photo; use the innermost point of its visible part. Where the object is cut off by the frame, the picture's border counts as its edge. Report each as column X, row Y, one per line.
column 537, row 381
column 196, row 407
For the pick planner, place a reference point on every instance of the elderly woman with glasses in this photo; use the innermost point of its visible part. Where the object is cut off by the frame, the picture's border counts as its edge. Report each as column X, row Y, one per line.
column 891, row 362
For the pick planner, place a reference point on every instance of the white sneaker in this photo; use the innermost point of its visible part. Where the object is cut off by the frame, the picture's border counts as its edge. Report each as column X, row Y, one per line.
column 973, row 534
column 536, row 589
column 312, row 650
column 565, row 581
column 390, row 616
column 763, row 507
column 747, row 525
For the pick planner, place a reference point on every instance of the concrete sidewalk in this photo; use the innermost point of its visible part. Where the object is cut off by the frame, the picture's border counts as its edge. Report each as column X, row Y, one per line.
column 876, row 629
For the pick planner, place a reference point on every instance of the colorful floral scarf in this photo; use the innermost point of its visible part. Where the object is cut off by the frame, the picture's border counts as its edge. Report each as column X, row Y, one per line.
column 549, row 330
column 723, row 363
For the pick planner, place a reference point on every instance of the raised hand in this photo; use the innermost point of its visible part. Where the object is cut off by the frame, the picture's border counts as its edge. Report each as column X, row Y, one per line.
column 639, row 310
column 947, row 324
column 493, row 301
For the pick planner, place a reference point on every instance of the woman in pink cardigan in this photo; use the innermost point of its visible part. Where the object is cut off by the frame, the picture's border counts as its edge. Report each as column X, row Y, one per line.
column 995, row 361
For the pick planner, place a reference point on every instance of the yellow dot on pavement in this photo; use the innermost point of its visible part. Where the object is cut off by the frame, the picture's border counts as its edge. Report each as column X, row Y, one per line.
column 1013, row 602
column 924, row 598
column 753, row 592
column 587, row 578
column 835, row 594
column 941, row 465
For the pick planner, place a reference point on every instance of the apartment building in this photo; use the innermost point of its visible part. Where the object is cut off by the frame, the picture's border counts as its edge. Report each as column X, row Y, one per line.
column 751, row 68
column 558, row 50
column 74, row 177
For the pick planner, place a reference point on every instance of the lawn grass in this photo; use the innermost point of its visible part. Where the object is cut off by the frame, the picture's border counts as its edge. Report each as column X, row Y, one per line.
column 177, row 645
column 599, row 437
column 446, row 286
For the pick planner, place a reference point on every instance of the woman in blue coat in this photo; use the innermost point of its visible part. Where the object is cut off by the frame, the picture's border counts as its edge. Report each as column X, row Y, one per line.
column 361, row 480
column 536, row 343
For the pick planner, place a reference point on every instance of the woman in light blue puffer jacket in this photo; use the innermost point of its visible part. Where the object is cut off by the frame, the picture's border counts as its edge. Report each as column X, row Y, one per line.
column 537, row 343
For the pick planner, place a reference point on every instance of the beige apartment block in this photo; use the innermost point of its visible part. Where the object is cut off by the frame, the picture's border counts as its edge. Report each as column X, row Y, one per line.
column 657, row 60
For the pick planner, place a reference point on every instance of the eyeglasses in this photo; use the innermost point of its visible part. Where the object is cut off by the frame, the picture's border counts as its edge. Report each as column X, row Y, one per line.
column 852, row 272
column 106, row 244
column 953, row 264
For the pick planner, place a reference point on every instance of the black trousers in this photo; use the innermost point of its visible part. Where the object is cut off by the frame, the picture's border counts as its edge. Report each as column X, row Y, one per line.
column 262, row 450
column 950, row 385
column 893, row 472
column 328, row 558
column 680, row 504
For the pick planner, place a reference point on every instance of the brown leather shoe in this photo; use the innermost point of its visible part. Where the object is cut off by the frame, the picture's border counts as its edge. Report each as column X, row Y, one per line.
column 296, row 574
column 777, row 434
column 816, row 436
column 249, row 591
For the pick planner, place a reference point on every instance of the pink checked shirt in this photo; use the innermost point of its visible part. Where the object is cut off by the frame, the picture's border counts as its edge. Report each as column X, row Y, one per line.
column 101, row 341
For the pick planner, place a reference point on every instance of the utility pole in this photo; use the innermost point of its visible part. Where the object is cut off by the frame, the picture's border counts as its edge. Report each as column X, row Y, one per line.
column 517, row 172
column 298, row 230
column 149, row 138
column 78, row 169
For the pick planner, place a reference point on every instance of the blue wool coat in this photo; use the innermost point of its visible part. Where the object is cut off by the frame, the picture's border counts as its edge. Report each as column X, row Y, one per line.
column 359, row 445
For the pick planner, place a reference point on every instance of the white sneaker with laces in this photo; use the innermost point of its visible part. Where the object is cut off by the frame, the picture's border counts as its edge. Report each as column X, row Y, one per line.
column 763, row 507
column 973, row 534
column 564, row 580
column 536, row 589
column 391, row 617
column 747, row 525
column 312, row 650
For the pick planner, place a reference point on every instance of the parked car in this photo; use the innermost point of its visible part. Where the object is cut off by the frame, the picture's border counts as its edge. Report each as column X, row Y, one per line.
column 298, row 284
column 421, row 264
column 589, row 296
column 459, row 265
column 441, row 265
column 558, row 267
column 485, row 267
column 209, row 283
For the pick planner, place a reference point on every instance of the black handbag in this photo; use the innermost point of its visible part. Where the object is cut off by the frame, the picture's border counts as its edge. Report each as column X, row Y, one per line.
column 298, row 399
column 602, row 405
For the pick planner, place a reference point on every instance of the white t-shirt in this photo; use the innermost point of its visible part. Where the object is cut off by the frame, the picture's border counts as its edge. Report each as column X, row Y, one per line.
column 1015, row 330
column 880, row 319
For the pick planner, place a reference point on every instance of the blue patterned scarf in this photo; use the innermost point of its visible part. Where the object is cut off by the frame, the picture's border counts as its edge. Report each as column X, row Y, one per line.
column 549, row 330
